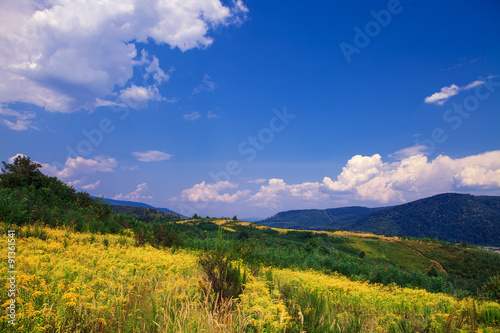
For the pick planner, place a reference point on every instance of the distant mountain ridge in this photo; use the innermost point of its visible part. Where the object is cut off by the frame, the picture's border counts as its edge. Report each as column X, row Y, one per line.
column 137, row 204
column 318, row 219
column 451, row 217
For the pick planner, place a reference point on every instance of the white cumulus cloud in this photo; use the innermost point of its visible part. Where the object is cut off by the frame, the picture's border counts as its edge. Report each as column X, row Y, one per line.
column 65, row 55
column 76, row 166
column 370, row 179
column 277, row 192
column 359, row 170
column 139, row 97
column 204, row 192
column 80, row 165
column 364, row 180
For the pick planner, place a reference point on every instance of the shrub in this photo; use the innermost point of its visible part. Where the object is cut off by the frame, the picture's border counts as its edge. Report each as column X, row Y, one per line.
column 225, row 278
column 492, row 288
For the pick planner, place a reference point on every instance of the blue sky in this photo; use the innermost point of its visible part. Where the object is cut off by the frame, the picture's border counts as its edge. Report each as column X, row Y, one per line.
column 252, row 107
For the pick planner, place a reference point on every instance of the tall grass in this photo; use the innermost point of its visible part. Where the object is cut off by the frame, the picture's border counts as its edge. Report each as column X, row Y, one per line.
column 82, row 282
column 73, row 282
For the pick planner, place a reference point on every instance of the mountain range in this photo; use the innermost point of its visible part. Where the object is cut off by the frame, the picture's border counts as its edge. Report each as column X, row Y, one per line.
column 451, row 217
column 113, row 202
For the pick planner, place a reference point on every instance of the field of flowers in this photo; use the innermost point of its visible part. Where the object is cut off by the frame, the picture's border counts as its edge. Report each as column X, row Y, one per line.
column 83, row 282
column 334, row 303
column 75, row 282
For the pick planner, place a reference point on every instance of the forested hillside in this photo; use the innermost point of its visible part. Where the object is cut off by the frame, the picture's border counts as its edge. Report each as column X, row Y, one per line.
column 451, row 217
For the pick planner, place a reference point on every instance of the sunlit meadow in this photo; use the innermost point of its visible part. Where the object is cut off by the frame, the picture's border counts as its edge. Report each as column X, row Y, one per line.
column 82, row 282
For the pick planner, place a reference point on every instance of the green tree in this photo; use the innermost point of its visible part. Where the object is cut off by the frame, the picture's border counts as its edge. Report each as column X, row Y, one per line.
column 235, row 218
column 22, row 172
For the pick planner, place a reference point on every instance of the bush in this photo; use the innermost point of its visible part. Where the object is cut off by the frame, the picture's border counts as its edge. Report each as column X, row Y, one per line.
column 13, row 207
column 225, row 278
column 492, row 288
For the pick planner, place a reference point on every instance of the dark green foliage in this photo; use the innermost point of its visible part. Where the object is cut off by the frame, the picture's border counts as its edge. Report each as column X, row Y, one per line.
column 311, row 245
column 432, row 272
column 13, row 206
column 316, row 219
column 146, row 214
column 451, row 217
column 492, row 288
column 21, row 173
column 29, row 197
column 243, row 235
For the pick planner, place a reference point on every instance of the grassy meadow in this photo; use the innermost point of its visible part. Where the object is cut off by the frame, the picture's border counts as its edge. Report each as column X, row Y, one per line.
column 84, row 282
column 81, row 267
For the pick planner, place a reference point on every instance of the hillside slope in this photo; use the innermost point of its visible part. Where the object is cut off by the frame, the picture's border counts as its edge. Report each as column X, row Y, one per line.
column 317, row 219
column 451, row 217
column 145, row 214
column 137, row 204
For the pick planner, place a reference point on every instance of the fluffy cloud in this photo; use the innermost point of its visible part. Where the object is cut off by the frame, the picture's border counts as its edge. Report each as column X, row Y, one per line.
column 63, row 55
column 364, row 180
column 76, row 166
column 370, row 179
column 11, row 159
column 80, row 165
column 135, row 195
column 277, row 192
column 446, row 93
column 151, row 156
column 139, row 97
column 204, row 192
column 359, row 170
column 477, row 176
